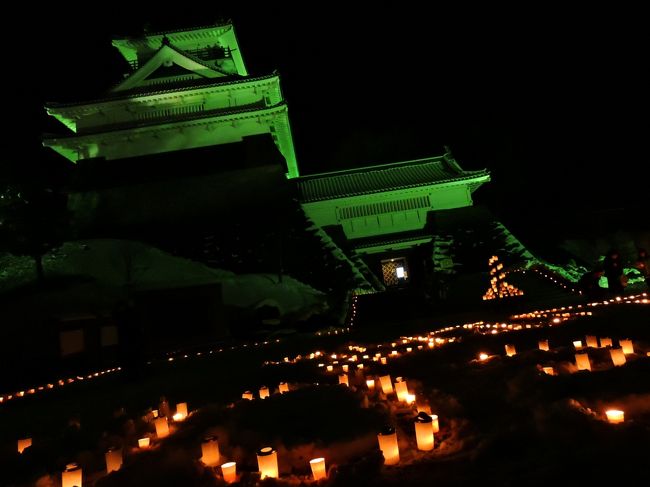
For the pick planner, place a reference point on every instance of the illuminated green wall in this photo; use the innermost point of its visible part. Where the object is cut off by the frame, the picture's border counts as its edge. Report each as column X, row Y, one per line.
column 383, row 212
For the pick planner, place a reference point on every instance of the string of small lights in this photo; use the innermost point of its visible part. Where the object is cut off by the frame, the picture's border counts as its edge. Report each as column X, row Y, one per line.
column 176, row 355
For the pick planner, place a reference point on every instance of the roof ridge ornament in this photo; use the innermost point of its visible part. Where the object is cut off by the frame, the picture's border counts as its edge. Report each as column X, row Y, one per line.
column 450, row 160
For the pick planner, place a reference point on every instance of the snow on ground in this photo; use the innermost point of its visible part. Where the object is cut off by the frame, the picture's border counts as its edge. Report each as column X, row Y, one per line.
column 116, row 263
column 503, row 419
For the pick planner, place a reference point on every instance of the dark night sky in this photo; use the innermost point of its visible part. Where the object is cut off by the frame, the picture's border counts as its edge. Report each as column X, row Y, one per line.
column 554, row 104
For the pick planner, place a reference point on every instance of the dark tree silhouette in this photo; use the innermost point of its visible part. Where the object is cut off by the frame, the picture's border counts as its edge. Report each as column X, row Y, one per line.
column 33, row 221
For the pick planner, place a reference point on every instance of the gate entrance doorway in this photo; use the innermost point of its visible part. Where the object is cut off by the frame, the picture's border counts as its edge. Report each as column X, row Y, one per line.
column 395, row 271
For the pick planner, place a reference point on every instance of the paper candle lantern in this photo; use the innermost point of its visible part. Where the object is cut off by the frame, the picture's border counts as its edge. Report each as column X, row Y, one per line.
column 605, row 342
column 343, row 379
column 592, row 341
column 248, row 395
column 577, row 344
column 178, row 417
column 370, row 383
column 71, row 477
column 483, row 356
column 543, row 345
column 582, row 361
column 210, row 450
column 410, row 398
column 264, row 392
column 618, row 357
column 424, row 432
column 24, row 443
column 284, row 387
column 627, row 346
column 154, row 413
column 113, row 459
column 144, row 442
column 548, row 370
column 267, row 462
column 229, row 472
column 615, row 416
column 401, row 389
column 434, row 422
column 388, row 445
column 181, row 411
column 510, row 350
column 318, row 468
column 386, row 384
column 345, row 367
column 162, row 428
column 383, row 360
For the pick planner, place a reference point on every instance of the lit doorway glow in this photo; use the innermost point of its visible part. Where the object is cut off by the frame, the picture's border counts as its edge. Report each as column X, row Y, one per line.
column 394, row 271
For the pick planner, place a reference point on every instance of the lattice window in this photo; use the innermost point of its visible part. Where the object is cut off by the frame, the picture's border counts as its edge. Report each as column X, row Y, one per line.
column 394, row 271
column 361, row 211
column 171, row 112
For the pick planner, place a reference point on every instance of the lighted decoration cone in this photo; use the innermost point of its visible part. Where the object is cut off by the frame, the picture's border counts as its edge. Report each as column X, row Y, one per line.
column 210, row 451
column 386, row 384
column 71, row 477
column 592, row 341
column 284, row 387
column 401, row 389
column 267, row 462
column 510, row 350
column 543, row 345
column 615, row 416
column 229, row 472
column 24, row 443
column 388, row 445
column 582, row 361
column 248, row 395
column 162, row 428
column 144, row 442
column 181, row 411
column 605, row 342
column 318, row 468
column 618, row 357
column 627, row 346
column 264, row 392
column 113, row 459
column 343, row 379
column 434, row 421
column 424, row 432
column 370, row 383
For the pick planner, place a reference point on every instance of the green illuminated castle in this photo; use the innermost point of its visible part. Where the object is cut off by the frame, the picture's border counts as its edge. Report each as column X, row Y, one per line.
column 189, row 92
column 187, row 89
